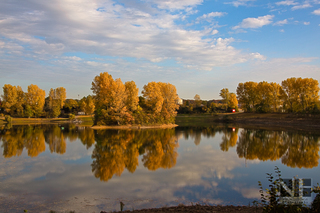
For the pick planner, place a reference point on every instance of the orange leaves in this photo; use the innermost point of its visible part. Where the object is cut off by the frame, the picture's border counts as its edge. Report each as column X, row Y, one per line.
column 161, row 99
column 35, row 98
column 118, row 103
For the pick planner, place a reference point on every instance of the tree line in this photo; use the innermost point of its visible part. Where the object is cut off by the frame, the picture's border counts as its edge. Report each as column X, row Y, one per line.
column 294, row 95
column 112, row 102
column 34, row 102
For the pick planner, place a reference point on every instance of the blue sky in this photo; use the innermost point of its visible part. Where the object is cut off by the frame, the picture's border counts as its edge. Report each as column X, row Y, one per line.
column 200, row 46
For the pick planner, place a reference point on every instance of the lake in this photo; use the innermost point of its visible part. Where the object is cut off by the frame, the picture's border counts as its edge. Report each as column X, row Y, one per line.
column 68, row 167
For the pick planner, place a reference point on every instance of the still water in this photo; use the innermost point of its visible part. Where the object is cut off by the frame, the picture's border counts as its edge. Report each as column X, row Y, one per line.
column 67, row 167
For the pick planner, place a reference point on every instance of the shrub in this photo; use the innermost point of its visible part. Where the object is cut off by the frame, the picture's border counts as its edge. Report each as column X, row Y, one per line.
column 8, row 119
column 71, row 116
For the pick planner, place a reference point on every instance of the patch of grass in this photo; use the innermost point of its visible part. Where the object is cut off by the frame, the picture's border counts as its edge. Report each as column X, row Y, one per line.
column 86, row 119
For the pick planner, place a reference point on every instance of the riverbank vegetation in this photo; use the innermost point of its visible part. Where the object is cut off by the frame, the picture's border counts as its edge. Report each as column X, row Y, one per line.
column 113, row 102
column 117, row 103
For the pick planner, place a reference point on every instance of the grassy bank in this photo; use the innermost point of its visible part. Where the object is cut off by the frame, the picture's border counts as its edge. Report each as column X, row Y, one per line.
column 86, row 120
column 279, row 121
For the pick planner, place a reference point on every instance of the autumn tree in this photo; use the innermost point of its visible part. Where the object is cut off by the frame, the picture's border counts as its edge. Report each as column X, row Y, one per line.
column 225, row 95
column 132, row 100
column 247, row 95
column 35, row 98
column 87, row 105
column 110, row 98
column 10, row 97
column 290, row 94
column 300, row 95
column 71, row 105
column 233, row 102
column 276, row 91
column 161, row 100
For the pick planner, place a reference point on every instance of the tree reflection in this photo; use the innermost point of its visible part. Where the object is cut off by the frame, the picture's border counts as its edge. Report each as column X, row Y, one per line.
column 54, row 137
column 34, row 141
column 87, row 137
column 117, row 150
column 229, row 139
column 12, row 142
column 294, row 149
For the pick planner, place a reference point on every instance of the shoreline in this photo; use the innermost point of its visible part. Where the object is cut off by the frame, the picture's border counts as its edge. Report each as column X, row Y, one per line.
column 197, row 208
column 162, row 126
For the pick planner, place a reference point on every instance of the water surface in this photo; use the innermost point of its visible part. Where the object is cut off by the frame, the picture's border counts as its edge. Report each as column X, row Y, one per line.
column 60, row 168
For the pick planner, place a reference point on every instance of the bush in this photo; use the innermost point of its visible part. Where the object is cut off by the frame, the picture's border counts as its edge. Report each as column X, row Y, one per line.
column 71, row 116
column 8, row 119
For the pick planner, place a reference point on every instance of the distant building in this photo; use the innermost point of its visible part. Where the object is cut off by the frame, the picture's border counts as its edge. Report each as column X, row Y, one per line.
column 179, row 101
column 81, row 113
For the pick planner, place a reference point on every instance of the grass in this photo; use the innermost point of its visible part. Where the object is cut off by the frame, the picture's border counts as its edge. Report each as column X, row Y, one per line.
column 86, row 120
column 196, row 120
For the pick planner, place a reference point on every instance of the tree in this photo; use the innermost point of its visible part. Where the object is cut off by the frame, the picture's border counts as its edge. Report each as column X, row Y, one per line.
column 87, row 105
column 9, row 97
column 132, row 96
column 247, row 95
column 233, row 102
column 308, row 90
column 35, row 98
column 276, row 91
column 225, row 95
column 101, row 87
column 71, row 105
column 153, row 97
column 110, row 97
column 264, row 97
column 161, row 101
column 290, row 94
column 197, row 100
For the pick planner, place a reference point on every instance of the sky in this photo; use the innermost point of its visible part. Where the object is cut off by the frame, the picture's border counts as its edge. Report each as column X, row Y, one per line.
column 200, row 46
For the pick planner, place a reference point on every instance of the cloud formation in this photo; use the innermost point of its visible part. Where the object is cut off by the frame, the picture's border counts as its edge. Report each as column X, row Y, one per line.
column 255, row 22
column 316, row 12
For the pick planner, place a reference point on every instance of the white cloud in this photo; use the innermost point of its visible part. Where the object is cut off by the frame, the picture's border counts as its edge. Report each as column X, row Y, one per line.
column 214, row 32
column 287, row 2
column 281, row 31
column 209, row 16
column 302, row 6
column 109, row 29
column 255, row 22
column 240, row 2
column 316, row 12
column 280, row 23
column 306, row 23
column 175, row 5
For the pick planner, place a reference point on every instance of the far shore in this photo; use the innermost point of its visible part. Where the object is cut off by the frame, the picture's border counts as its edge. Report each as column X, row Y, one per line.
column 162, row 126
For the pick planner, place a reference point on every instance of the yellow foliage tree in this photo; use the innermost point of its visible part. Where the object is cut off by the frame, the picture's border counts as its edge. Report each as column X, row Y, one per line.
column 9, row 97
column 35, row 98
column 233, row 102
column 132, row 96
column 161, row 100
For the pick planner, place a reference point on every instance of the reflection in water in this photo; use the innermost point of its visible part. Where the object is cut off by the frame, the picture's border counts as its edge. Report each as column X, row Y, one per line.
column 117, row 150
column 208, row 165
column 295, row 149
column 54, row 137
column 229, row 139
column 15, row 140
